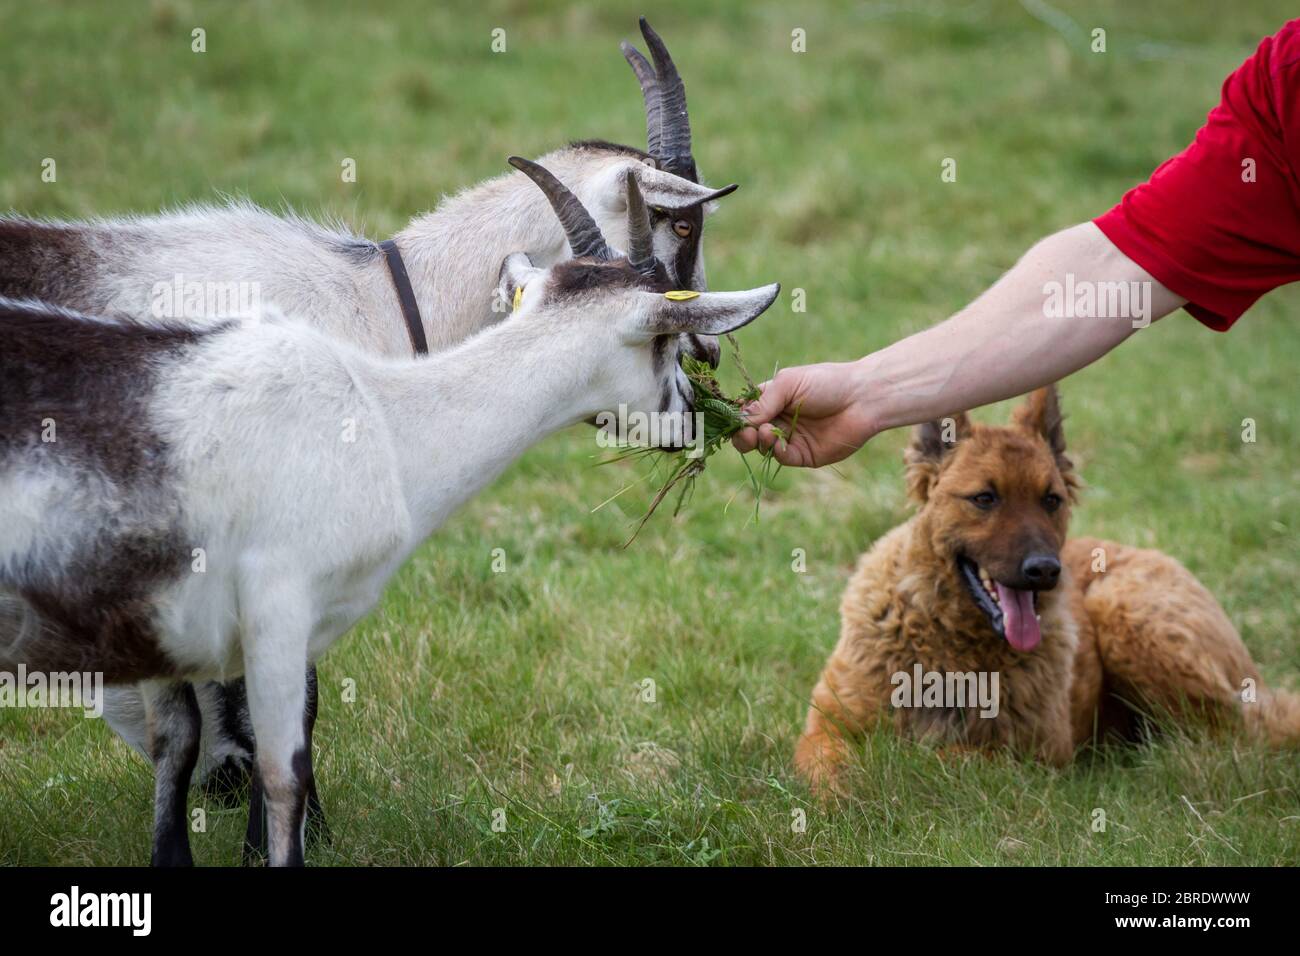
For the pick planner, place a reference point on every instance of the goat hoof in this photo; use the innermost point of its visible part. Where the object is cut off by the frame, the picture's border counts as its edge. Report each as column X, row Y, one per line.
column 172, row 858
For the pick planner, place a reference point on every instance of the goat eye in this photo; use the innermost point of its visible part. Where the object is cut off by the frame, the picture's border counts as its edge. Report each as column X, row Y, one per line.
column 984, row 500
column 682, row 228
column 1051, row 502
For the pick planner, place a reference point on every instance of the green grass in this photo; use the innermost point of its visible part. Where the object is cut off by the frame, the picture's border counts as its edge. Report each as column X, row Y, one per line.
column 522, row 690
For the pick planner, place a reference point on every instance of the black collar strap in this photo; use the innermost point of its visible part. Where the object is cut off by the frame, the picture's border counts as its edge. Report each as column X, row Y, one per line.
column 406, row 296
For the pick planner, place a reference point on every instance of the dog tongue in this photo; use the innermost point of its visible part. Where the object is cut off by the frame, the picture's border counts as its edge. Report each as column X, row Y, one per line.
column 1018, row 619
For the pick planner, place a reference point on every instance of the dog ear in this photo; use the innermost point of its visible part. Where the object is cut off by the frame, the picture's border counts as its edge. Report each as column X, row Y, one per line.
column 931, row 442
column 1041, row 413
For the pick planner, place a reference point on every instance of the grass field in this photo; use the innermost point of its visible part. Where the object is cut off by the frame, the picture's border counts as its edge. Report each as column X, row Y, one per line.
column 523, row 690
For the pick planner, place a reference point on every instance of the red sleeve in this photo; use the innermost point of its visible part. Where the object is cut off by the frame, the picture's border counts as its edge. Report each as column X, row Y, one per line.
column 1219, row 224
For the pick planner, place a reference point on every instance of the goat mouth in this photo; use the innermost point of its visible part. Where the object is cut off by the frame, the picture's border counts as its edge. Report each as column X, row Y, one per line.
column 613, row 437
column 680, row 434
column 1012, row 613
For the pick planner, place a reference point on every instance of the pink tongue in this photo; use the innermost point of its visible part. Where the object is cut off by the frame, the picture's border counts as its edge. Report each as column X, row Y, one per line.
column 1018, row 617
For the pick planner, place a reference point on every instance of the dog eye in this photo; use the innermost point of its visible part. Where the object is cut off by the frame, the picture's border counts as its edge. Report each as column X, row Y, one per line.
column 984, row 500
column 1051, row 502
column 682, row 228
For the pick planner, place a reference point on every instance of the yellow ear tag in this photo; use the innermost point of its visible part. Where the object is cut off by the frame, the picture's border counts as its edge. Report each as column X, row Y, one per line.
column 519, row 297
column 681, row 295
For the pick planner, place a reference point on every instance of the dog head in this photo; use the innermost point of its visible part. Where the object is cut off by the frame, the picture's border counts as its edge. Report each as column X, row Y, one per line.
column 995, row 507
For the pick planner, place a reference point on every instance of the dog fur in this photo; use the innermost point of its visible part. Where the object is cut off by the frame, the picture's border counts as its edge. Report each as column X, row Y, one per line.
column 1125, row 632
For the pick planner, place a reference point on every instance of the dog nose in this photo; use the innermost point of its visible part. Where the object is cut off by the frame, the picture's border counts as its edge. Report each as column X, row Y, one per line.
column 1040, row 571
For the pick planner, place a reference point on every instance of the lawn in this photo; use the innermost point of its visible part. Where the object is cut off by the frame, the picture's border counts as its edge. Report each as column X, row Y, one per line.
column 595, row 705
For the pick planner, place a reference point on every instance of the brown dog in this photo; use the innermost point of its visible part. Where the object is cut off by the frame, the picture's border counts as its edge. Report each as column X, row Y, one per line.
column 1078, row 638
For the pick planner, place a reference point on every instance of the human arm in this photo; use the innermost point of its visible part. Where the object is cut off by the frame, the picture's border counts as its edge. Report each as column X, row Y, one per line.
column 1005, row 343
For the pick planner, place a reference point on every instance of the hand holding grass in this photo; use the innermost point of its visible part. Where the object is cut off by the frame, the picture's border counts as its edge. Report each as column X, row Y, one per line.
column 720, row 418
column 831, row 406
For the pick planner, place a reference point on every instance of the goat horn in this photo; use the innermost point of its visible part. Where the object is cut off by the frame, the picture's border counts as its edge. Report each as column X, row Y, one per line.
column 674, row 146
column 640, row 240
column 580, row 229
column 645, row 75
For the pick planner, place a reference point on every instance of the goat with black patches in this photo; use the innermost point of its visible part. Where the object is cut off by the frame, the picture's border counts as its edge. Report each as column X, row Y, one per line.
column 340, row 283
column 234, row 438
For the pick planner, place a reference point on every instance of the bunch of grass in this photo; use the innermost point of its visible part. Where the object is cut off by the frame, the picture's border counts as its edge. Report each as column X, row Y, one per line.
column 721, row 418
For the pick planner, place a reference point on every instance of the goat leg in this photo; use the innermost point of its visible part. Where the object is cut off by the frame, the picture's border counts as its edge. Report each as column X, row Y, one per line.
column 174, row 724
column 255, row 835
column 318, row 830
column 275, row 628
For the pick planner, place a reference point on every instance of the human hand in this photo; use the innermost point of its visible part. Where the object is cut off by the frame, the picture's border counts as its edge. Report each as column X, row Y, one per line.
column 826, row 406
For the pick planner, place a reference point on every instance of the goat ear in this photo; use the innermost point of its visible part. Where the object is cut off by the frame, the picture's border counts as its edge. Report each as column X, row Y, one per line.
column 1041, row 413
column 665, row 190
column 931, row 443
column 516, row 272
column 703, row 313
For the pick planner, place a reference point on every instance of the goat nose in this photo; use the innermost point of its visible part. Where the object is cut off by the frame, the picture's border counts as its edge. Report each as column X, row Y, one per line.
column 705, row 348
column 1041, row 571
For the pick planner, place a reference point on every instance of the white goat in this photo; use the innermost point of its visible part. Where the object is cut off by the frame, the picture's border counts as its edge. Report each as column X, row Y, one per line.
column 341, row 283
column 237, row 438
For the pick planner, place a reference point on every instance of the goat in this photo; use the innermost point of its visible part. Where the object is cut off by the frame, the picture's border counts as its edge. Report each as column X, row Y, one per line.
column 340, row 280
column 237, row 437
column 341, row 283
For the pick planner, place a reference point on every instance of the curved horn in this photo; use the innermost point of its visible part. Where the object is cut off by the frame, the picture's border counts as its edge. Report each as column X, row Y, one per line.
column 645, row 75
column 580, row 229
column 668, row 125
column 675, row 132
column 640, row 240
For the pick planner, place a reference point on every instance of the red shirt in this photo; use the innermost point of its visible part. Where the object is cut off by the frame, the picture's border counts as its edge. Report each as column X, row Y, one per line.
column 1210, row 225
